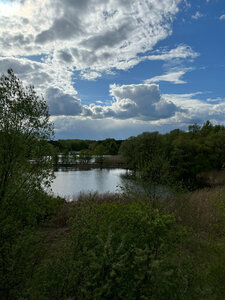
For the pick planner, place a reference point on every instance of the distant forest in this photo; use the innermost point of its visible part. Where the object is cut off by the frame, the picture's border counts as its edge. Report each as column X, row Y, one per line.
column 180, row 155
column 107, row 146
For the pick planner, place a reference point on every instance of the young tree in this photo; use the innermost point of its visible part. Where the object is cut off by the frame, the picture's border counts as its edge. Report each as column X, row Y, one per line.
column 24, row 132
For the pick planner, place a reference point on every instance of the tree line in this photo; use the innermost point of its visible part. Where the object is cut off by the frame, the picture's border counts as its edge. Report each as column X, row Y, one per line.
column 178, row 155
column 109, row 146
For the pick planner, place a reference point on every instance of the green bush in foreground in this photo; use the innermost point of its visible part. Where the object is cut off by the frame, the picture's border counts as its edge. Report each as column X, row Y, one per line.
column 21, row 248
column 118, row 251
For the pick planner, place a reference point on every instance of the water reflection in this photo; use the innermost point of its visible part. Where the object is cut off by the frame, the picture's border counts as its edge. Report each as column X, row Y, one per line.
column 71, row 182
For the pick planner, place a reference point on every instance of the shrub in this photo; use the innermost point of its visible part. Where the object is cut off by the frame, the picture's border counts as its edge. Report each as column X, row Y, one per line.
column 119, row 250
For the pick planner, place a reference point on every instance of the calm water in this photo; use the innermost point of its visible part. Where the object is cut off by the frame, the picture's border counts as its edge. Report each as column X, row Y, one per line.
column 71, row 182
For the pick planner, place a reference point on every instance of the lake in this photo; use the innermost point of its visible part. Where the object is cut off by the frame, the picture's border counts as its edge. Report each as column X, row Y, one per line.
column 71, row 182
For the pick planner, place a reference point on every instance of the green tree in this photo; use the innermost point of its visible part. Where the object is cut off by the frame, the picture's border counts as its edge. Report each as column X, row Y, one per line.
column 99, row 151
column 25, row 170
column 24, row 131
column 127, row 150
column 85, row 156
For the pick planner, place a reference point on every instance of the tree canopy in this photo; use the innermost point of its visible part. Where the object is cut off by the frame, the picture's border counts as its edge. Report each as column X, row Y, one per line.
column 186, row 154
column 24, row 131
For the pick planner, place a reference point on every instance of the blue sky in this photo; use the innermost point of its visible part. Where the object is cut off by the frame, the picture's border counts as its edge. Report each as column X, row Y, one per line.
column 116, row 68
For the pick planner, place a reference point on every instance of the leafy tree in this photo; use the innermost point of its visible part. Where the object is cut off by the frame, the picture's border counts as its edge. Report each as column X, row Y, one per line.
column 24, row 131
column 99, row 151
column 25, row 169
column 195, row 128
column 85, row 156
column 111, row 145
column 127, row 151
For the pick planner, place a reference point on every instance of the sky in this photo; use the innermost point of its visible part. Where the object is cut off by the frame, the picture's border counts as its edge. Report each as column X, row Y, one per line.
column 117, row 68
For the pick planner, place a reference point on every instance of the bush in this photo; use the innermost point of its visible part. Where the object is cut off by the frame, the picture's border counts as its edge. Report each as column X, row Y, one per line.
column 118, row 250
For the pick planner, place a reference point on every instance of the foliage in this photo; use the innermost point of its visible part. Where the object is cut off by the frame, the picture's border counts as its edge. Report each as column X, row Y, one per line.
column 186, row 153
column 85, row 156
column 25, row 169
column 111, row 146
column 119, row 250
column 24, row 131
column 122, row 247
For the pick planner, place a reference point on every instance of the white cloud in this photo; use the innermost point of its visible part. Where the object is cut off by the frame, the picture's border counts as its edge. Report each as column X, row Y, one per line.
column 189, row 110
column 182, row 52
column 93, row 36
column 222, row 17
column 136, row 101
column 90, row 75
column 96, row 37
column 196, row 110
column 90, row 36
column 138, row 108
column 173, row 77
column 218, row 99
column 40, row 74
column 101, row 129
column 142, row 103
column 197, row 15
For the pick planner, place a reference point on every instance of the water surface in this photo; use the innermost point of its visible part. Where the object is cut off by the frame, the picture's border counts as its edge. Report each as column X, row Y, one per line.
column 71, row 182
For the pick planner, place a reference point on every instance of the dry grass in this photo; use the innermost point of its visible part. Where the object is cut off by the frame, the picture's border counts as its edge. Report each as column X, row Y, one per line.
column 211, row 178
column 96, row 197
column 203, row 210
column 116, row 160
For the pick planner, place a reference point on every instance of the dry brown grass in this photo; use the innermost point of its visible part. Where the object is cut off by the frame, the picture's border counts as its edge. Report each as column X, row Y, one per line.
column 116, row 160
column 203, row 210
column 96, row 197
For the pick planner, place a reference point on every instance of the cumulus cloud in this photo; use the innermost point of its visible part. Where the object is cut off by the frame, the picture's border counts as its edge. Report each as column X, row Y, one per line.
column 40, row 74
column 93, row 36
column 137, row 101
column 46, row 41
column 196, row 110
column 190, row 110
column 61, row 103
column 141, row 103
column 90, row 36
column 61, row 29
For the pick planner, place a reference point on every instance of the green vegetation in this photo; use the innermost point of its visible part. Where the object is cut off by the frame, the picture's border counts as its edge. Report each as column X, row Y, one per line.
column 177, row 155
column 24, row 171
column 115, row 250
column 80, row 152
column 106, row 147
column 124, row 246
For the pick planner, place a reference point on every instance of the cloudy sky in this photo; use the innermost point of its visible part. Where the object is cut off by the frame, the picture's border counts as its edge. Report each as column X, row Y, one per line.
column 116, row 68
